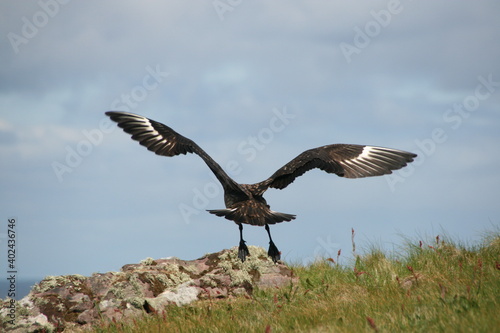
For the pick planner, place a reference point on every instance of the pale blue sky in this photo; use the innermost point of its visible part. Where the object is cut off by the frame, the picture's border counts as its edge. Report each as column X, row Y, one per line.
column 254, row 83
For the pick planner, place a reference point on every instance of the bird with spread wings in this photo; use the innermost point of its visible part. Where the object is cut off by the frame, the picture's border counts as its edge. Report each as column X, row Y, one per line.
column 245, row 203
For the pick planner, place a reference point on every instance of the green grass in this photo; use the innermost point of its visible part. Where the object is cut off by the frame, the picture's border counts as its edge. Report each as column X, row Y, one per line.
column 435, row 286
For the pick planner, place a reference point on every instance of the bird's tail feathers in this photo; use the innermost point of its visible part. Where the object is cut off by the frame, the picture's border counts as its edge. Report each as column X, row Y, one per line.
column 249, row 215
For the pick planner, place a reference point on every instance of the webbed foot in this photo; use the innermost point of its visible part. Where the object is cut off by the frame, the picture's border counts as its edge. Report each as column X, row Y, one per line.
column 273, row 252
column 243, row 251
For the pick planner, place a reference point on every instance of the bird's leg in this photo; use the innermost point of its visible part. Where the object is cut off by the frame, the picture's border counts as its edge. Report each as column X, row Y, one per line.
column 242, row 249
column 273, row 251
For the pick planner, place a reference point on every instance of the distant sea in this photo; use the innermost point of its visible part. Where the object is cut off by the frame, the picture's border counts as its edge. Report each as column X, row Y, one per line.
column 23, row 287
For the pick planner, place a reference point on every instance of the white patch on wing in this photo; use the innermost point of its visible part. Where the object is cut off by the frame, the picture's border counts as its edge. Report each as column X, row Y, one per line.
column 364, row 157
column 366, row 152
column 150, row 127
column 379, row 154
column 153, row 133
column 373, row 161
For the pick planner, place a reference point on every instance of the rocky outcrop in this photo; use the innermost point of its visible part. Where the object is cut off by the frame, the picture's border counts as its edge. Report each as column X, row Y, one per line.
column 61, row 302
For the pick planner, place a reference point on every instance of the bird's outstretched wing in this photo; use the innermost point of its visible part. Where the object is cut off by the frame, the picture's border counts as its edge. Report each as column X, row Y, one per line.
column 345, row 160
column 157, row 137
column 162, row 140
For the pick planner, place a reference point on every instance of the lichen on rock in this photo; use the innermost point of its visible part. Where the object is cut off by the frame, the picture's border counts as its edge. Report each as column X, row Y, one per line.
column 149, row 286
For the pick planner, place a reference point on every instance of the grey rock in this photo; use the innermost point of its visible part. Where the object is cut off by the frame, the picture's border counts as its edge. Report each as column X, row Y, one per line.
column 183, row 295
column 59, row 302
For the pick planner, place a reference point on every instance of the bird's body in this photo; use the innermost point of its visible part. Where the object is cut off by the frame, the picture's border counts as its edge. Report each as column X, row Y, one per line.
column 245, row 203
column 251, row 208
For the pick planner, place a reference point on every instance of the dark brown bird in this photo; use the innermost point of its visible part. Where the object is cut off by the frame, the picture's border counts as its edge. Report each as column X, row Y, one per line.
column 244, row 202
